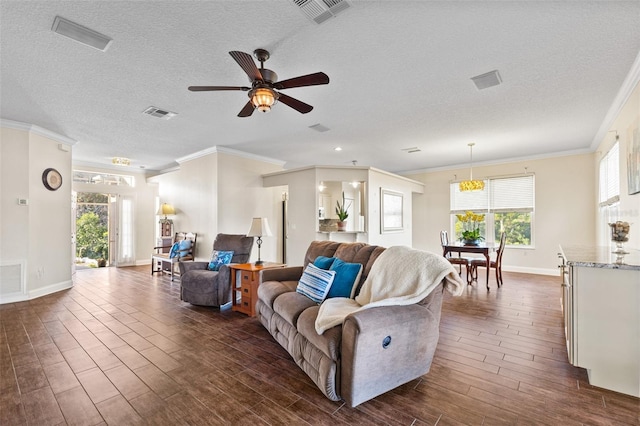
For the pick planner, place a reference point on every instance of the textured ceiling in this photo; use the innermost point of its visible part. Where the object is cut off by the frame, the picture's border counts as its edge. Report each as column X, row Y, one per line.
column 400, row 77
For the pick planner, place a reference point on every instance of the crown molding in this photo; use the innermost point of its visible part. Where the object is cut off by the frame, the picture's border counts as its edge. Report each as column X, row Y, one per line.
column 628, row 85
column 498, row 162
column 229, row 151
column 41, row 131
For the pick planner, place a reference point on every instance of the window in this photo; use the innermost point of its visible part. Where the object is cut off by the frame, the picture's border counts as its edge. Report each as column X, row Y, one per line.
column 508, row 205
column 610, row 177
column 102, row 178
column 609, row 189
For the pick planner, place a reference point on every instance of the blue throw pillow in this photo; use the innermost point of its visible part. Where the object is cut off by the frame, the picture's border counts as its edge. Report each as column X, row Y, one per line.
column 219, row 258
column 315, row 283
column 174, row 250
column 183, row 248
column 323, row 262
column 347, row 277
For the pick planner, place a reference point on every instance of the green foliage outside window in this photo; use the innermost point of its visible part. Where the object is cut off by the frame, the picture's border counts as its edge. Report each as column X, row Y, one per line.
column 516, row 225
column 91, row 237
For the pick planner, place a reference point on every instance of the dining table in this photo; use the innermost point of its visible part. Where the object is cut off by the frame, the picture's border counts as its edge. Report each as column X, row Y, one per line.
column 483, row 248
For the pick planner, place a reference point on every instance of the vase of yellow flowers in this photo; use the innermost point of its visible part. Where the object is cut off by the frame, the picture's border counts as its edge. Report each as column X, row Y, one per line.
column 471, row 228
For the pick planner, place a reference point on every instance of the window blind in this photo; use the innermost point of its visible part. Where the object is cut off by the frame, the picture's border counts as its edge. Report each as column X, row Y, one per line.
column 476, row 201
column 512, row 194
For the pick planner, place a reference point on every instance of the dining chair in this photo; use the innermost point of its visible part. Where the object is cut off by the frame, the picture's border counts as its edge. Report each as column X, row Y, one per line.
column 496, row 264
column 466, row 261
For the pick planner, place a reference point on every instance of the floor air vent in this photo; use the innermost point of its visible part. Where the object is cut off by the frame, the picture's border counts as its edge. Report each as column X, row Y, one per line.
column 12, row 281
column 321, row 10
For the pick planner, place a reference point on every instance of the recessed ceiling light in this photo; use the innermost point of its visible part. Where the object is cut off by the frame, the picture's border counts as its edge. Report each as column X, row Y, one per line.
column 80, row 34
column 337, row 148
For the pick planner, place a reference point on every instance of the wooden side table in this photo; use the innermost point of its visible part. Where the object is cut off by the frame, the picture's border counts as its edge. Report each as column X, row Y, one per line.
column 245, row 291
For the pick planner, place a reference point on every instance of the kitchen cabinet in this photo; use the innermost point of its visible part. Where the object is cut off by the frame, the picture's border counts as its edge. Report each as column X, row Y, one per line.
column 601, row 308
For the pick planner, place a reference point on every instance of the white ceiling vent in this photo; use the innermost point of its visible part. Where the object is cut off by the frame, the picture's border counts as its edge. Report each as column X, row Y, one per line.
column 80, row 34
column 321, row 10
column 157, row 112
column 319, row 128
column 411, row 150
column 486, row 80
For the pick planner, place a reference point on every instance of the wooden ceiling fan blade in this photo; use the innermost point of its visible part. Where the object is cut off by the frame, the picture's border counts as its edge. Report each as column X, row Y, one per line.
column 247, row 110
column 246, row 63
column 314, row 79
column 299, row 106
column 217, row 88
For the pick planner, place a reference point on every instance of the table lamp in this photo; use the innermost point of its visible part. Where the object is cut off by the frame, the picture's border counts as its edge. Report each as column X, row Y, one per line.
column 259, row 228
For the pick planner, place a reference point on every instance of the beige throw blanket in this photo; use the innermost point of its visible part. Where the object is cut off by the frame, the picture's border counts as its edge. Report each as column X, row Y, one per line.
column 400, row 276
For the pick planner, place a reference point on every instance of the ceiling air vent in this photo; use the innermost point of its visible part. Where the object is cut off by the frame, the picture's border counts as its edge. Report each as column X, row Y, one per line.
column 157, row 112
column 321, row 10
column 486, row 80
column 319, row 128
column 411, row 150
column 80, row 34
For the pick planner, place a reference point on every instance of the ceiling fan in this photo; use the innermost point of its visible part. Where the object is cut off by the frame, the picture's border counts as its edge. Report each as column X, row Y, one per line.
column 264, row 82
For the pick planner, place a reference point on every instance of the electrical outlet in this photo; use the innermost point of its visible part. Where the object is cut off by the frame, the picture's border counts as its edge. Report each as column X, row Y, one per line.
column 23, row 202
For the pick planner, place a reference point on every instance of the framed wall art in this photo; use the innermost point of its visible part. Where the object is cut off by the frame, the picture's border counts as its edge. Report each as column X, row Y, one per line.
column 633, row 162
column 391, row 211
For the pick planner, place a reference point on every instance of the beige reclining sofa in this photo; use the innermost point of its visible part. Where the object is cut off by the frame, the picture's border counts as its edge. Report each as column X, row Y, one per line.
column 374, row 351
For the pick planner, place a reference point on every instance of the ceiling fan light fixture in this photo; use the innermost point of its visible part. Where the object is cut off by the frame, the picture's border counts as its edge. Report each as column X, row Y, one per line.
column 263, row 98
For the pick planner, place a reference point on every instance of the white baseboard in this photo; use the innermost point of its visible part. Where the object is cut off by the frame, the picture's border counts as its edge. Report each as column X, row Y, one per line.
column 34, row 294
column 535, row 271
column 43, row 291
column 143, row 262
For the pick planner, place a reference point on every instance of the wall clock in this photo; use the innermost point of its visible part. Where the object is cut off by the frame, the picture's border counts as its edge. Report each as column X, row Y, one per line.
column 52, row 179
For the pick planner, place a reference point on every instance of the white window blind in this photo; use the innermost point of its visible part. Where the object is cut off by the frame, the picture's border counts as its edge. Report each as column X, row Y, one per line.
column 476, row 201
column 610, row 177
column 512, row 194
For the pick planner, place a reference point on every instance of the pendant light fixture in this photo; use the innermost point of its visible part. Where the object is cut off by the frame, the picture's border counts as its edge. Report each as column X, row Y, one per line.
column 471, row 185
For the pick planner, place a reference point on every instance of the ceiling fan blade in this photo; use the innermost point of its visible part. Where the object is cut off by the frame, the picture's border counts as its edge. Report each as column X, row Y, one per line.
column 215, row 88
column 246, row 63
column 247, row 110
column 299, row 106
column 314, row 79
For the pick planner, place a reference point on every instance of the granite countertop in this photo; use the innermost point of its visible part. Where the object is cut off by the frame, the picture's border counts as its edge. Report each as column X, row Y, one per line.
column 601, row 257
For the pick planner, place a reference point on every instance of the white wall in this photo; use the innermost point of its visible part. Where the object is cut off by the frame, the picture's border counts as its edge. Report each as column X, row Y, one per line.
column 220, row 191
column 37, row 235
column 303, row 192
column 627, row 125
column 380, row 180
column 564, row 213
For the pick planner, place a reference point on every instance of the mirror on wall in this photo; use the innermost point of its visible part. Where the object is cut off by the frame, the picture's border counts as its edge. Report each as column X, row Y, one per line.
column 331, row 192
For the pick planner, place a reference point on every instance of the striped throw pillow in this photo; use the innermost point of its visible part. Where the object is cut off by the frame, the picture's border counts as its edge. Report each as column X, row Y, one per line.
column 315, row 283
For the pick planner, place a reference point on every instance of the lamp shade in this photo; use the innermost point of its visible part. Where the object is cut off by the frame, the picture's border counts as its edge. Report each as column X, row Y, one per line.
column 166, row 209
column 259, row 228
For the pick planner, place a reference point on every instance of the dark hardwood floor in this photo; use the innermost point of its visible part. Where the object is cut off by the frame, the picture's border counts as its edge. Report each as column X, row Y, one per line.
column 121, row 348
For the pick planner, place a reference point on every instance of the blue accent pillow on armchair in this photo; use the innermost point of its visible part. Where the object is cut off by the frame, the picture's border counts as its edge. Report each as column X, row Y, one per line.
column 219, row 258
column 347, row 276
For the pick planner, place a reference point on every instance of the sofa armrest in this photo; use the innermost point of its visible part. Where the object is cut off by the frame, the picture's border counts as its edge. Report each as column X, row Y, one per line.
column 188, row 266
column 290, row 273
column 385, row 347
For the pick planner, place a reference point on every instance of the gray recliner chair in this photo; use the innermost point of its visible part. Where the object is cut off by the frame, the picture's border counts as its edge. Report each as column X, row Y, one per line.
column 200, row 286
